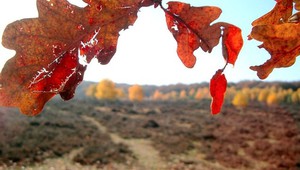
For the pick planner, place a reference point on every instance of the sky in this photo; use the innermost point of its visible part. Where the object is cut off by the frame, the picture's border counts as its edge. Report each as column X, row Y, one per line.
column 146, row 52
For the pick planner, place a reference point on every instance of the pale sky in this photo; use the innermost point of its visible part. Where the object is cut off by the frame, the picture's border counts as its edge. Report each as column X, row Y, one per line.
column 146, row 52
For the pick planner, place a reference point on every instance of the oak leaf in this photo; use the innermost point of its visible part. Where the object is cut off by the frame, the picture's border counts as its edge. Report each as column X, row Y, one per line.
column 217, row 88
column 279, row 31
column 297, row 5
column 280, row 13
column 192, row 28
column 281, row 41
column 52, row 51
column 49, row 49
column 232, row 42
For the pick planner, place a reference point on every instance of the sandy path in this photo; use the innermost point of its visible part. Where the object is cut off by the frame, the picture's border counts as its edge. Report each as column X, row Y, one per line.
column 148, row 157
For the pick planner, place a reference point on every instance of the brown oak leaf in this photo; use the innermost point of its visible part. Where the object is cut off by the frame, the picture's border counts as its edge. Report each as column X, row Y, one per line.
column 279, row 14
column 48, row 47
column 192, row 30
column 281, row 41
column 279, row 31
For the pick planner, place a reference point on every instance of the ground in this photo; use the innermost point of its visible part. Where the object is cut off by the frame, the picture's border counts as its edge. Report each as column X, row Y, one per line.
column 177, row 135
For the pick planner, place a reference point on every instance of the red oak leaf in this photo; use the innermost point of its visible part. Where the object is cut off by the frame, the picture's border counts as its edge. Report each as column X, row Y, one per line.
column 47, row 62
column 191, row 27
column 232, row 42
column 217, row 87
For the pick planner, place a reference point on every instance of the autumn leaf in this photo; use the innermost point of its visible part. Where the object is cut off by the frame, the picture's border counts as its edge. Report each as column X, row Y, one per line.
column 279, row 31
column 297, row 5
column 192, row 28
column 281, row 41
column 232, row 42
column 217, row 87
column 53, row 50
column 279, row 14
column 47, row 61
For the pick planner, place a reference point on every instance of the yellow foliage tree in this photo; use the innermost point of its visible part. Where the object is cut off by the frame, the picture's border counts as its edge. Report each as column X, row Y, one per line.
column 272, row 99
column 172, row 95
column 295, row 98
column 157, row 95
column 136, row 93
column 120, row 93
column 192, row 92
column 263, row 95
column 230, row 93
column 240, row 99
column 254, row 93
column 182, row 94
column 106, row 90
column 199, row 94
column 91, row 90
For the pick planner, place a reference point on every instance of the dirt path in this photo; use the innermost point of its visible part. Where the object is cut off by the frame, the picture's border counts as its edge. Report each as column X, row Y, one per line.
column 63, row 163
column 148, row 157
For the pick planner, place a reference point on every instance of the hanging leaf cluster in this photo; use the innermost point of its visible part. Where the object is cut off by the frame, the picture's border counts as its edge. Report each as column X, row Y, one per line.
column 54, row 50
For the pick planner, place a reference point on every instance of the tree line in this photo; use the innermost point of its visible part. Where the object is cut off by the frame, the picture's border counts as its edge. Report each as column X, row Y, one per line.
column 239, row 95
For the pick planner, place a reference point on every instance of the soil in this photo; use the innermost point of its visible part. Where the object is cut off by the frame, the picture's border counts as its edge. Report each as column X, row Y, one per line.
column 177, row 135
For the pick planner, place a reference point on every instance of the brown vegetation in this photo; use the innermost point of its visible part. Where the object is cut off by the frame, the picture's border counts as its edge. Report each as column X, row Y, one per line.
column 179, row 135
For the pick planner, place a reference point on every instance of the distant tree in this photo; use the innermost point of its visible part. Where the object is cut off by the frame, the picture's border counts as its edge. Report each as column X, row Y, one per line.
column 202, row 93
column 254, row 93
column 198, row 95
column 172, row 95
column 295, row 98
column 136, row 93
column 157, row 95
column 120, row 93
column 272, row 99
column 298, row 94
column 240, row 99
column 192, row 92
column 263, row 95
column 230, row 93
column 91, row 90
column 106, row 90
column 182, row 94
